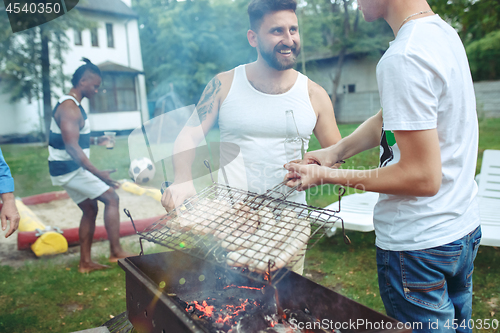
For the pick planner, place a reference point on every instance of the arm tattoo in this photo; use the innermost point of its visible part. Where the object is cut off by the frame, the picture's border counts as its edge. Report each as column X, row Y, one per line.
column 207, row 100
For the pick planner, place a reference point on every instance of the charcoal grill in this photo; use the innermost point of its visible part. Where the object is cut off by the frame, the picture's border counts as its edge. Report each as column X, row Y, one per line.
column 259, row 234
column 225, row 237
column 152, row 280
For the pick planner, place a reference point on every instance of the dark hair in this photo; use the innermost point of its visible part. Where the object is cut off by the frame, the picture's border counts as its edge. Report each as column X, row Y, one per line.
column 258, row 8
column 89, row 66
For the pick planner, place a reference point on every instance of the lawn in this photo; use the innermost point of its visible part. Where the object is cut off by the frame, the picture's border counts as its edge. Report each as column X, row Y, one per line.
column 46, row 295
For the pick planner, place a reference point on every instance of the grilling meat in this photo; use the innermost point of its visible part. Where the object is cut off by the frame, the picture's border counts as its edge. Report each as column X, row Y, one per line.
column 251, row 237
column 278, row 241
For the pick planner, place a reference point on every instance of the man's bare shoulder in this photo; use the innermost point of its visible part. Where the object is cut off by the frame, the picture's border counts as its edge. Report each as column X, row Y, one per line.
column 68, row 110
column 315, row 90
column 226, row 80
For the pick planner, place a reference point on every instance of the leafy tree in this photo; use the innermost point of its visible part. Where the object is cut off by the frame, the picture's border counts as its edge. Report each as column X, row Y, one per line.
column 187, row 43
column 25, row 56
column 484, row 55
column 478, row 24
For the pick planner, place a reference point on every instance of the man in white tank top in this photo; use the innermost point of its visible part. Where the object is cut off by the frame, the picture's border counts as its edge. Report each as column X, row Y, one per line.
column 250, row 103
column 426, row 219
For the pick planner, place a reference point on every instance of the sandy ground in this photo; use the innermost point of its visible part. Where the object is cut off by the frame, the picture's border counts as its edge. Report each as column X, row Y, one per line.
column 65, row 214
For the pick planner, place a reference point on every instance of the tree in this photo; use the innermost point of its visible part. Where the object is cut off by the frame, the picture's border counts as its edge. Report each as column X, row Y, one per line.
column 484, row 55
column 25, row 60
column 478, row 24
column 187, row 43
column 336, row 26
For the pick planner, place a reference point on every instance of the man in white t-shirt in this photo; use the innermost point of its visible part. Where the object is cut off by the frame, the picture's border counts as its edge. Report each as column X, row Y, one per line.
column 426, row 220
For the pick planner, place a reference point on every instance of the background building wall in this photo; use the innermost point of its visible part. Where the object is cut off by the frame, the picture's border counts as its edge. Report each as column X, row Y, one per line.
column 22, row 118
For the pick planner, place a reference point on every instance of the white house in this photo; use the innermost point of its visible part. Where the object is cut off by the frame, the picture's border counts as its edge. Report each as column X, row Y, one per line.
column 114, row 46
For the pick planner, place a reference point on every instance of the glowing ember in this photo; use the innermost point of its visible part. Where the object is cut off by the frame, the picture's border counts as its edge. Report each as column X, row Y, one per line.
column 232, row 310
column 208, row 310
column 241, row 287
column 225, row 315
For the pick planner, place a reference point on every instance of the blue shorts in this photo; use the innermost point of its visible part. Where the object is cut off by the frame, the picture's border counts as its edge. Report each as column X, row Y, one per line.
column 430, row 289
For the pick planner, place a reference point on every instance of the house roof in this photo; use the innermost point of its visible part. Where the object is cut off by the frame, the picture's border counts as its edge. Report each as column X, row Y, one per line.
column 110, row 7
column 111, row 67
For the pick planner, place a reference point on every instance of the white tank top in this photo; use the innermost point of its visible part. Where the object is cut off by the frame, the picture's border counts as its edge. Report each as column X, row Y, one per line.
column 256, row 122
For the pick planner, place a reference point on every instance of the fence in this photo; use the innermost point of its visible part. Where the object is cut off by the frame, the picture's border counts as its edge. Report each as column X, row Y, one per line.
column 356, row 108
column 488, row 99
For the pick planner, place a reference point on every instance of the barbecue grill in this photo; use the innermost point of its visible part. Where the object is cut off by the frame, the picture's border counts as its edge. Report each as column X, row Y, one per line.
column 229, row 269
column 161, row 288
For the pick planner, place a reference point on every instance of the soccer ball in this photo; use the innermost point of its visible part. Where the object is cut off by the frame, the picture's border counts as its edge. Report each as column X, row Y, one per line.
column 141, row 170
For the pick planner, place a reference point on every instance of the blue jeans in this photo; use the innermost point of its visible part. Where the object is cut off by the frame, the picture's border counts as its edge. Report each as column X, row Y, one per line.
column 430, row 289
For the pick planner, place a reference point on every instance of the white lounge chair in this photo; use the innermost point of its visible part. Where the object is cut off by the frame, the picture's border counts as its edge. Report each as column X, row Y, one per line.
column 489, row 198
column 357, row 211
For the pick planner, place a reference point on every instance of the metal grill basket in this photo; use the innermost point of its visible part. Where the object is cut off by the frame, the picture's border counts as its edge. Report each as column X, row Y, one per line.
column 250, row 234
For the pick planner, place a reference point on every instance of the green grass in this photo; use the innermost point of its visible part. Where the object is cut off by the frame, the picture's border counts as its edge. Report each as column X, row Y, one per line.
column 46, row 297
column 41, row 296
column 324, row 195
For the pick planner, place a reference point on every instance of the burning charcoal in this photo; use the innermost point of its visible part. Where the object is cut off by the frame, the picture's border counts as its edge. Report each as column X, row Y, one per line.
column 299, row 316
column 218, row 326
column 183, row 304
column 251, row 324
column 280, row 328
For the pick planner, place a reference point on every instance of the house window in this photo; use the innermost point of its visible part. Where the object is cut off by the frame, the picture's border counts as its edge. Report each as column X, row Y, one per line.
column 109, row 34
column 117, row 93
column 77, row 34
column 93, row 37
column 351, row 88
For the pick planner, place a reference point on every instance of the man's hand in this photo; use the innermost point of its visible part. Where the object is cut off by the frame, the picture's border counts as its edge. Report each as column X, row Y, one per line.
column 175, row 195
column 306, row 176
column 102, row 140
column 9, row 213
column 325, row 157
column 104, row 175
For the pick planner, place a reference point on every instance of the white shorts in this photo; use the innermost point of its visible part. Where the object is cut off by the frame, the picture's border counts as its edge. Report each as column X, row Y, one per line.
column 84, row 185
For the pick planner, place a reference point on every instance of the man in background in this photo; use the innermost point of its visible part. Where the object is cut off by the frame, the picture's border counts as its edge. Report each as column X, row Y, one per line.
column 9, row 211
column 70, row 166
column 426, row 219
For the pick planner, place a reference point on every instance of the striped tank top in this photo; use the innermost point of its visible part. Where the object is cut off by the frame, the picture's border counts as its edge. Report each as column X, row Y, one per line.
column 62, row 167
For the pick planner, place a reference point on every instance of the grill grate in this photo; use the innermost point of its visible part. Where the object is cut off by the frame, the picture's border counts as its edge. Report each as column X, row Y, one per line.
column 254, row 235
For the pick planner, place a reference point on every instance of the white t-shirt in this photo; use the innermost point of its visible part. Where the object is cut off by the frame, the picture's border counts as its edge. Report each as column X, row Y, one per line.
column 425, row 83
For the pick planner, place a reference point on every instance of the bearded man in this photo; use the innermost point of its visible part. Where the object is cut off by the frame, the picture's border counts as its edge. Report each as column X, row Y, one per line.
column 250, row 102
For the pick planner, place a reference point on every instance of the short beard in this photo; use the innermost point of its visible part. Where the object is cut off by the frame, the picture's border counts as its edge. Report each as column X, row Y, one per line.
column 272, row 59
